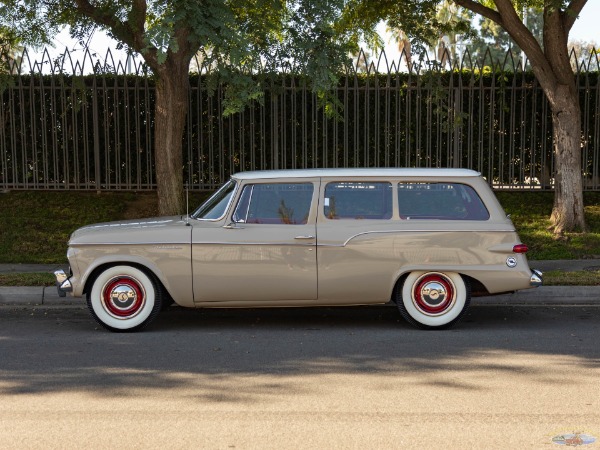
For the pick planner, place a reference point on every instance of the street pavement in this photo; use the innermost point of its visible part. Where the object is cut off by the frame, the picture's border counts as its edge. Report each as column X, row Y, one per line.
column 507, row 377
column 519, row 371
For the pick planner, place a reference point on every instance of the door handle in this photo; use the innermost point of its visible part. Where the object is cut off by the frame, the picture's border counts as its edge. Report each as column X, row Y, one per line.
column 304, row 237
column 233, row 226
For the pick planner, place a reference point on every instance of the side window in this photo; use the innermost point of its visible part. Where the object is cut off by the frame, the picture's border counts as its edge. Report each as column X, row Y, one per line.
column 275, row 203
column 358, row 200
column 442, row 201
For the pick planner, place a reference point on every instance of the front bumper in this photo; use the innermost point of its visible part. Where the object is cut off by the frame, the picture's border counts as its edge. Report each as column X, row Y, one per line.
column 63, row 285
column 536, row 278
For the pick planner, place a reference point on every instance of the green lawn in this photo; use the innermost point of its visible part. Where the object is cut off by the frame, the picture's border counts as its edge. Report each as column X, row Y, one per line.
column 530, row 212
column 35, row 226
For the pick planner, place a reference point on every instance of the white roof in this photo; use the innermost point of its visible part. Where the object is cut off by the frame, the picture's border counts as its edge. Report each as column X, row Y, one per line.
column 366, row 172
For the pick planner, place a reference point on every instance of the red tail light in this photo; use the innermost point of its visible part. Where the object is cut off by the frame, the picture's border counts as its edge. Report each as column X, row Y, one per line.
column 520, row 248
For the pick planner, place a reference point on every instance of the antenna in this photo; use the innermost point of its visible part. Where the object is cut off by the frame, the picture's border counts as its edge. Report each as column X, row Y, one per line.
column 187, row 205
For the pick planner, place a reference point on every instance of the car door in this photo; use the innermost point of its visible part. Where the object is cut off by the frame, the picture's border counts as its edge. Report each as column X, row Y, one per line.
column 356, row 259
column 266, row 250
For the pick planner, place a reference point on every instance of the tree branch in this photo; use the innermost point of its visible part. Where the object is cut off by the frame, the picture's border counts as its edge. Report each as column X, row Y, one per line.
column 137, row 16
column 481, row 9
column 572, row 12
column 515, row 27
column 130, row 32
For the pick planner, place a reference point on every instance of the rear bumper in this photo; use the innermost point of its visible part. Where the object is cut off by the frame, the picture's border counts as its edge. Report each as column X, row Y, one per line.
column 63, row 285
column 536, row 278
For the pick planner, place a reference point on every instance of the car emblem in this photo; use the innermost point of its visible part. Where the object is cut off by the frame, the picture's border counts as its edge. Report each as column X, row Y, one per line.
column 511, row 261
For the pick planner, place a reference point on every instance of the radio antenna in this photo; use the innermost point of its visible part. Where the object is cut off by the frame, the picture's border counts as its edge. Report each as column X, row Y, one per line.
column 187, row 205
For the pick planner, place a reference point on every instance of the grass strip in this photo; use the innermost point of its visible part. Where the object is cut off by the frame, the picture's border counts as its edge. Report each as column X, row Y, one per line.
column 27, row 279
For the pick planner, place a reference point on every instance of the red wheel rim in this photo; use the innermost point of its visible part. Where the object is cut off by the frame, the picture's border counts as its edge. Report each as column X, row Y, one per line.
column 434, row 294
column 123, row 297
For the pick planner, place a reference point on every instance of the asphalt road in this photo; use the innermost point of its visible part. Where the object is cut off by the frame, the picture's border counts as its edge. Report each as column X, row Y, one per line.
column 506, row 377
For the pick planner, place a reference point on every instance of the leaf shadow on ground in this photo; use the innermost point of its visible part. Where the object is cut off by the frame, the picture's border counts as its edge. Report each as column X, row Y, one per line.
column 207, row 350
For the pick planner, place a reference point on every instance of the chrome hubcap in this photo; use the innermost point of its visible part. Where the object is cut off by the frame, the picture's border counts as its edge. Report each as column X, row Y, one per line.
column 123, row 297
column 433, row 294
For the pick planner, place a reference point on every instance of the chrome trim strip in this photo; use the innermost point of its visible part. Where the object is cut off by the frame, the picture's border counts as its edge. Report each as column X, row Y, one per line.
column 287, row 244
column 192, row 243
column 233, row 194
column 283, row 243
column 161, row 244
column 416, row 231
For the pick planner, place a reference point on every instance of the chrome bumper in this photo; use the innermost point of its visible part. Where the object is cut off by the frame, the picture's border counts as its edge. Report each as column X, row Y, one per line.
column 536, row 278
column 63, row 285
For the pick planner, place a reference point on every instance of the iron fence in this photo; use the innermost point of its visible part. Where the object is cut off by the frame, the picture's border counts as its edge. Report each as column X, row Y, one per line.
column 86, row 124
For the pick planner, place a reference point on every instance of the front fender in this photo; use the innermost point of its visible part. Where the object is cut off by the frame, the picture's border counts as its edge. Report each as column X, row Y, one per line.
column 172, row 270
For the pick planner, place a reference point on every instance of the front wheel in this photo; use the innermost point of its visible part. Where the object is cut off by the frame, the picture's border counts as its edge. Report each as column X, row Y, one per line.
column 124, row 298
column 433, row 300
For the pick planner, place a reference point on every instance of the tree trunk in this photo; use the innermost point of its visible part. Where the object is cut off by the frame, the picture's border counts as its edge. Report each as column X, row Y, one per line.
column 567, row 213
column 171, row 108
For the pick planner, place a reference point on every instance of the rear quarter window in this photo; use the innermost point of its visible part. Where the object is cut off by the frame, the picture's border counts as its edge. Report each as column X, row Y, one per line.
column 440, row 201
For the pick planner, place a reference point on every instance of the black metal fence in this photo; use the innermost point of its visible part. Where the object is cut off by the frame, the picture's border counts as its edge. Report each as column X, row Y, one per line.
column 63, row 129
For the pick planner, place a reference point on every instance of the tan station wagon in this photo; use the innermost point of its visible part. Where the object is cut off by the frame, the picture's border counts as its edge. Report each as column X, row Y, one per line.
column 426, row 239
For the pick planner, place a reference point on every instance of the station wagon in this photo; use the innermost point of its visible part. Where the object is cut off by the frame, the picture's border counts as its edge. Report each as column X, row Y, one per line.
column 424, row 239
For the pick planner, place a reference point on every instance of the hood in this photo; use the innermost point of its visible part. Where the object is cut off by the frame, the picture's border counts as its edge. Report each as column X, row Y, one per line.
column 155, row 229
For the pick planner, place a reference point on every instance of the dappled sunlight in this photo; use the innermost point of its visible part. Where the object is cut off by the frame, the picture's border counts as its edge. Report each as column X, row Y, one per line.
column 257, row 356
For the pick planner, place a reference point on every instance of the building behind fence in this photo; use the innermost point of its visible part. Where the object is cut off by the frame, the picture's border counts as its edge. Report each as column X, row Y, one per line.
column 61, row 129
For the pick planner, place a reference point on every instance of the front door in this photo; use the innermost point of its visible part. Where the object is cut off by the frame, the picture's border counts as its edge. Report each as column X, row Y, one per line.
column 265, row 252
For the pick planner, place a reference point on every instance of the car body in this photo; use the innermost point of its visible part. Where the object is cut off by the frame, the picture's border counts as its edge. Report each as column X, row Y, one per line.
column 426, row 239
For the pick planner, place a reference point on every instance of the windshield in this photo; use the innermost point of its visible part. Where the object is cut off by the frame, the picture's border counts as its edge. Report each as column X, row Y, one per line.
column 215, row 207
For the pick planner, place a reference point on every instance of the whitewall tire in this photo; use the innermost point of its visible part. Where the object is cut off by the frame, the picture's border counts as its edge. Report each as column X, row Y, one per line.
column 124, row 298
column 433, row 300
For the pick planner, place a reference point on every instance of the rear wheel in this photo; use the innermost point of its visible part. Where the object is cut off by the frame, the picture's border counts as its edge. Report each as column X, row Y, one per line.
column 124, row 298
column 433, row 300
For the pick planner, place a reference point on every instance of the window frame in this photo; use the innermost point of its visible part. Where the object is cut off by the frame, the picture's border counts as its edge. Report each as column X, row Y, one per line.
column 473, row 192
column 253, row 183
column 389, row 213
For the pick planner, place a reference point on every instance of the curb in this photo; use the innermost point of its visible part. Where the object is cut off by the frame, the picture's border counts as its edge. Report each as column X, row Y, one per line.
column 36, row 296
column 542, row 296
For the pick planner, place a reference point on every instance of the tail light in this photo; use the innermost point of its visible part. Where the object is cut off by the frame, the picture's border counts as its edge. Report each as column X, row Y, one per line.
column 520, row 248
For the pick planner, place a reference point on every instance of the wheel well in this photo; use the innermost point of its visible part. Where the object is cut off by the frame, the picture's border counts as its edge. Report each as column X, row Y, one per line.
column 477, row 288
column 102, row 267
column 398, row 285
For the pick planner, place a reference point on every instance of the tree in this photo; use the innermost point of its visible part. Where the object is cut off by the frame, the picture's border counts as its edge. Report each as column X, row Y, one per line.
column 551, row 65
column 549, row 61
column 167, row 35
column 238, row 36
